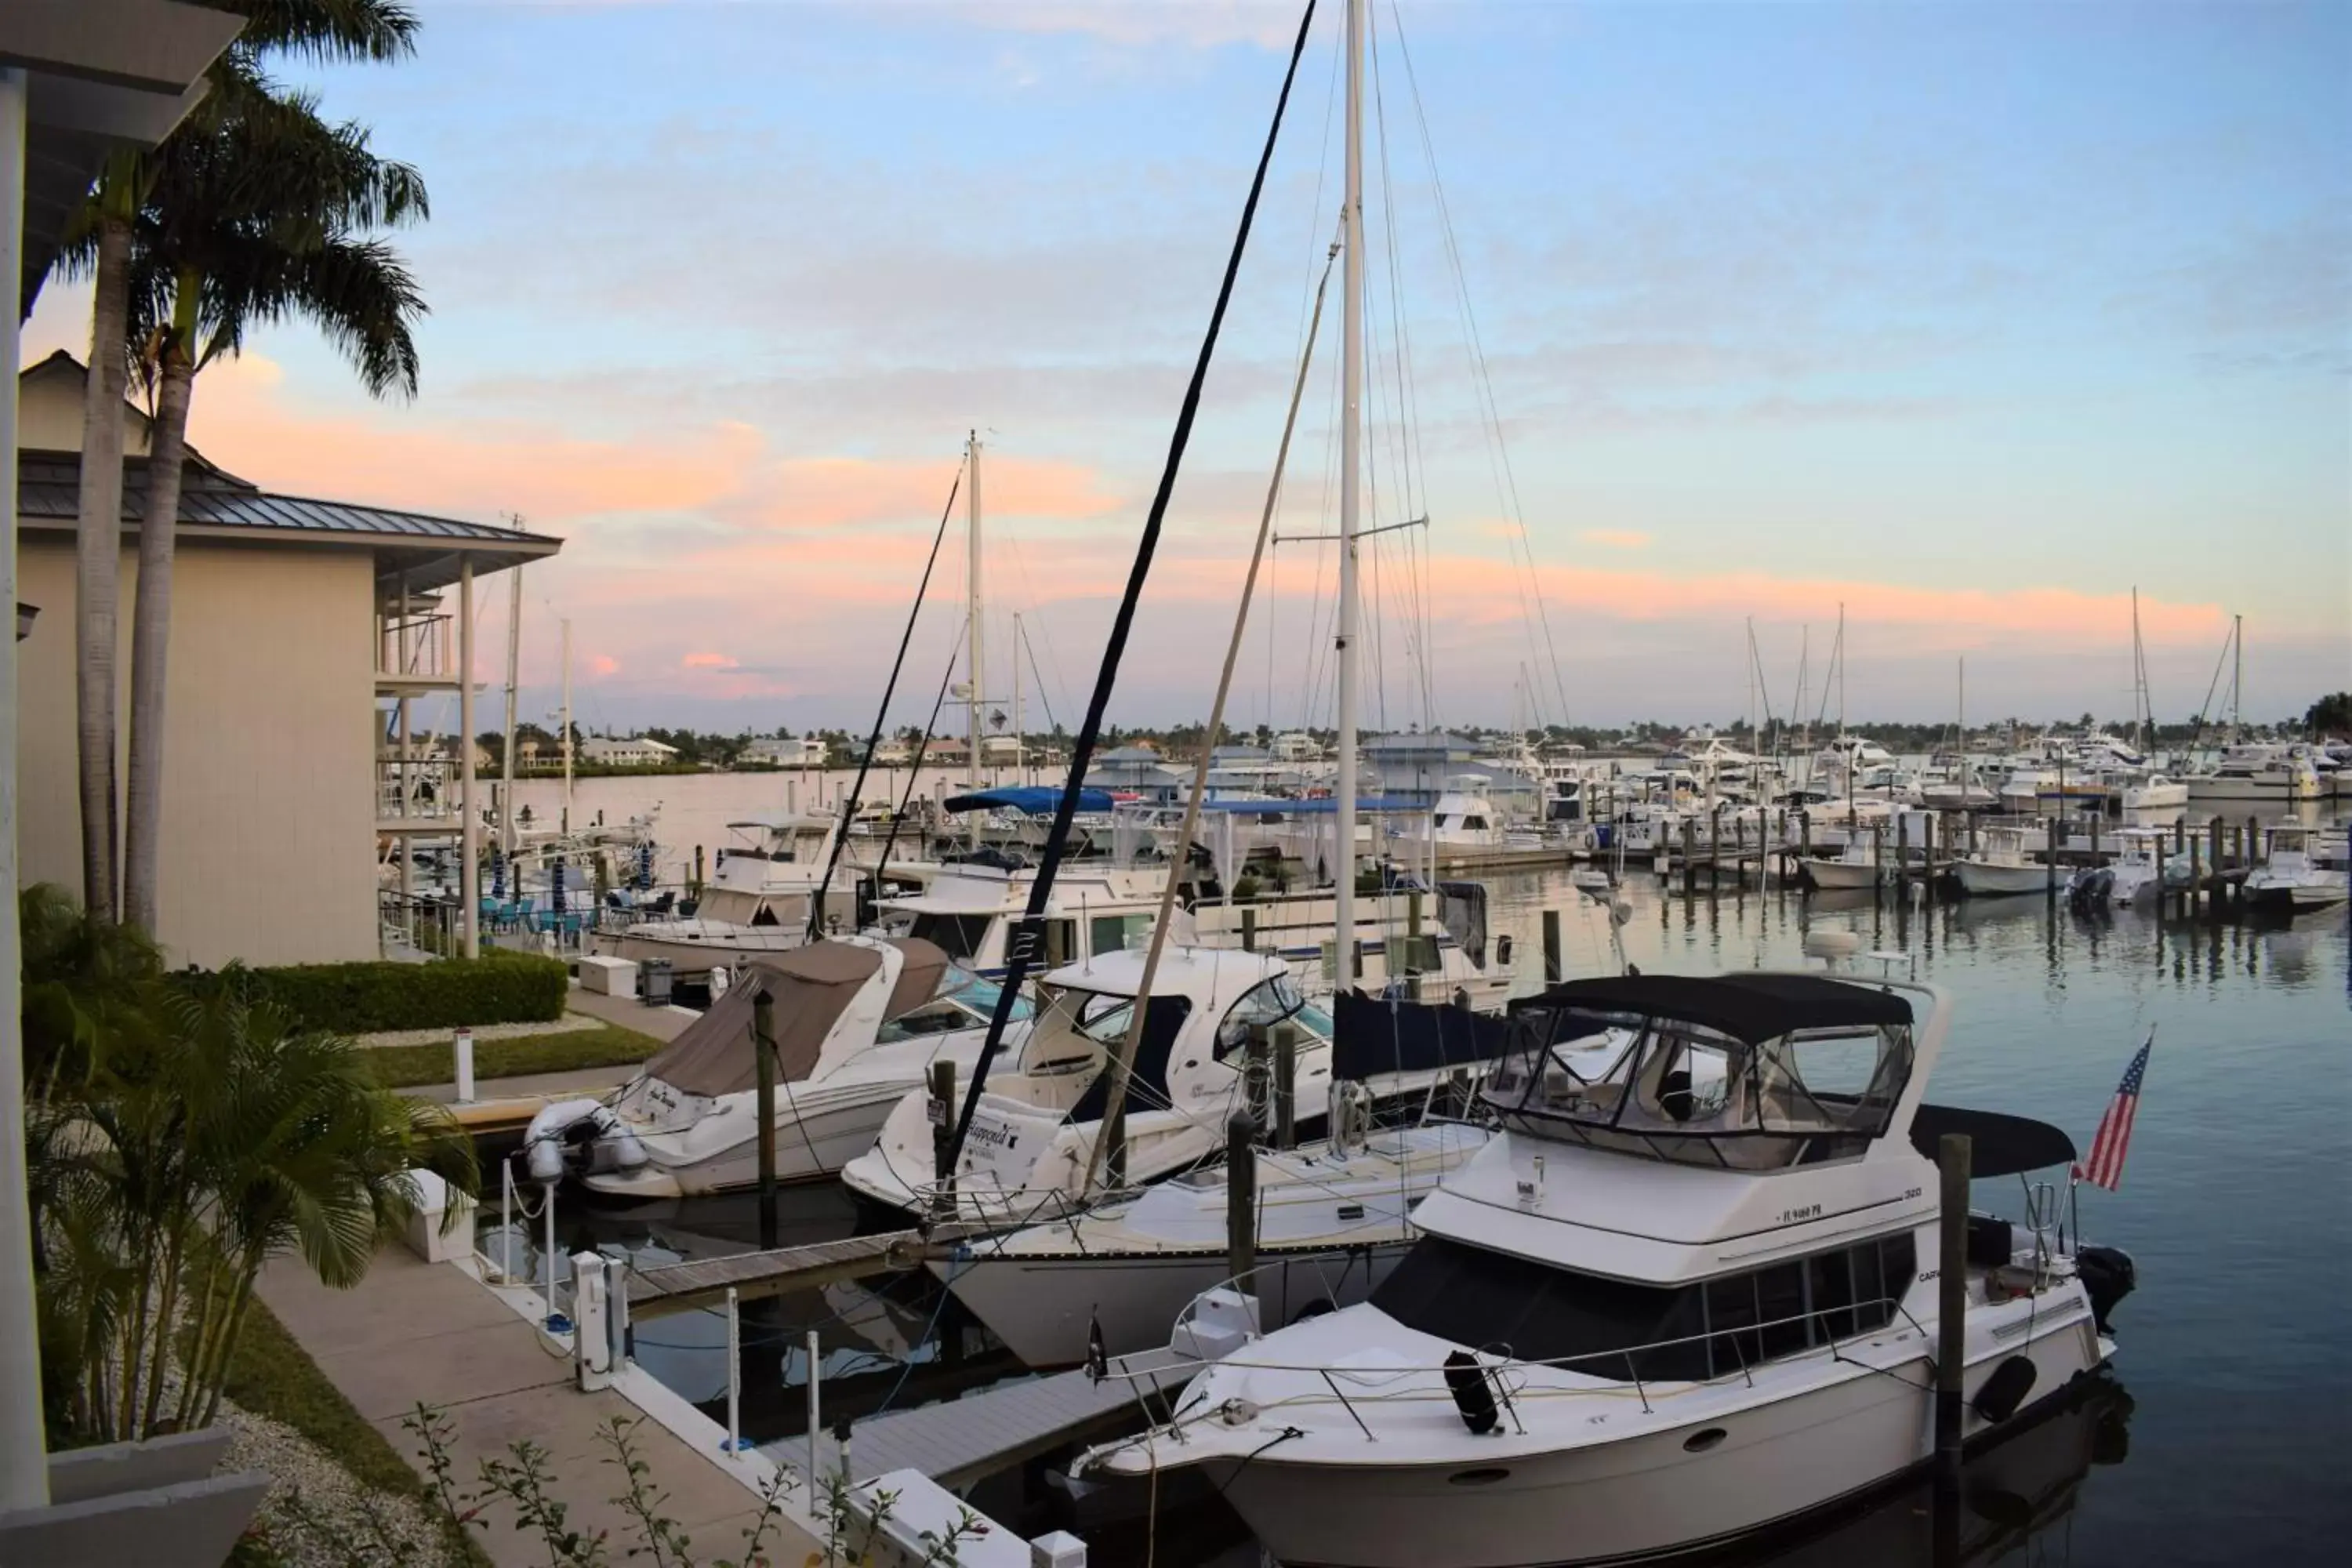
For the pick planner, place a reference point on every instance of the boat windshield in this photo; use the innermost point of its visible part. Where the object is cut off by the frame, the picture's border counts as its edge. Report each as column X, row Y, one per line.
column 1674, row 1089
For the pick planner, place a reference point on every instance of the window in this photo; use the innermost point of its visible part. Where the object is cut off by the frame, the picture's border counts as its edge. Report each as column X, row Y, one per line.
column 1493, row 1301
column 1812, row 1302
column 1109, row 933
column 1058, row 937
column 1268, row 1004
column 1474, row 821
column 958, row 936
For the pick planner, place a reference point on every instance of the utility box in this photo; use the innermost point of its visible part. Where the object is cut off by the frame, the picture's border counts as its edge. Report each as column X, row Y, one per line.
column 653, row 982
column 607, row 976
column 427, row 1235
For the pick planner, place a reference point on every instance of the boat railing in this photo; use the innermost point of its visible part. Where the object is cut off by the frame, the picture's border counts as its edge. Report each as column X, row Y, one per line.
column 1498, row 1367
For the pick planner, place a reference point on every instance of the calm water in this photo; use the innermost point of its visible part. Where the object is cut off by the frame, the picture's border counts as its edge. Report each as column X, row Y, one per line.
column 2225, row 1432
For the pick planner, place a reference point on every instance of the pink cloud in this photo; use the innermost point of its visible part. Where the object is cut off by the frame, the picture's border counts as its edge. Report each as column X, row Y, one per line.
column 708, row 661
column 604, row 664
column 1616, row 538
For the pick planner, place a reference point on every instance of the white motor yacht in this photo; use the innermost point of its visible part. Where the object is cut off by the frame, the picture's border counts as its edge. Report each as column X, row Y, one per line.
column 2147, row 790
column 1030, row 1155
column 755, row 905
column 1855, row 866
column 2003, row 866
column 2144, row 864
column 858, row 1022
column 1655, row 1313
column 2291, row 878
column 2260, row 773
column 1332, row 1215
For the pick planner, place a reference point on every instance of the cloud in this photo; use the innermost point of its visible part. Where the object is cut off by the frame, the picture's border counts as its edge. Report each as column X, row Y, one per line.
column 708, row 661
column 1616, row 538
column 604, row 664
column 1134, row 23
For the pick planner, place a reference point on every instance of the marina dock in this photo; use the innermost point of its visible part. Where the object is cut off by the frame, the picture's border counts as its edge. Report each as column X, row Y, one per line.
column 704, row 1282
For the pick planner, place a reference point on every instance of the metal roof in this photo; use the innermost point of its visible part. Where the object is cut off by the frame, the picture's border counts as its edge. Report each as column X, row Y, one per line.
column 217, row 504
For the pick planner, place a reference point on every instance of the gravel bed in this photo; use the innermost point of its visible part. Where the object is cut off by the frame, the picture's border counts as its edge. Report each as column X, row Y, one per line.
column 318, row 1515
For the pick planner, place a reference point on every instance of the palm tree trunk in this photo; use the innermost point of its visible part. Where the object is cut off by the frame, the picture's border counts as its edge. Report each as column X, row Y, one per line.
column 151, row 640
column 98, row 544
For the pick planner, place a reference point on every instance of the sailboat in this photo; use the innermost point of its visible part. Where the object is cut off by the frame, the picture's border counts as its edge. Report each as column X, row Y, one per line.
column 2144, row 788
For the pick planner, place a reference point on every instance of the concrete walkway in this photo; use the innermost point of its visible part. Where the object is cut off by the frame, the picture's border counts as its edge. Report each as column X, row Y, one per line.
column 663, row 1024
column 424, row 1331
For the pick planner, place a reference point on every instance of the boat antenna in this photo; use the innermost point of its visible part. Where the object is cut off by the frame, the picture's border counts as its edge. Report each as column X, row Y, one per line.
column 881, row 717
column 1029, row 935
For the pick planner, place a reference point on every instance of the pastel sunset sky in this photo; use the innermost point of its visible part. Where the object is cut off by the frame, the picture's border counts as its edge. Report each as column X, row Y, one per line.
column 1969, row 316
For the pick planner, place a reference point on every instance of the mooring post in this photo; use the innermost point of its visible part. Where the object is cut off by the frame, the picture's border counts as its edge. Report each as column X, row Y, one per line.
column 1258, row 1075
column 1902, row 844
column 1928, row 829
column 1953, row 1158
column 557, row 1324
column 1285, row 1085
column 2254, row 840
column 1551, row 947
column 815, row 1425
column 1877, row 855
column 1690, row 856
column 734, row 1375
column 2054, row 834
column 1241, row 1198
column 1249, row 929
column 2196, row 872
column 1805, row 834
column 943, row 1114
column 763, row 1050
column 697, row 870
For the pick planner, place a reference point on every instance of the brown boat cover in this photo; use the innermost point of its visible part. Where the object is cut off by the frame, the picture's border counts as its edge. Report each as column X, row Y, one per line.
column 919, row 980
column 811, row 987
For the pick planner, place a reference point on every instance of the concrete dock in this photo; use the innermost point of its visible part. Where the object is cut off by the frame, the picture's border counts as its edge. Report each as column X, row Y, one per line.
column 415, row 1332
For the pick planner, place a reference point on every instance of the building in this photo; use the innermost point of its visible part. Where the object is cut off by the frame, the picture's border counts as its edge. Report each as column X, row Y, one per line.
column 1139, row 770
column 893, row 754
column 301, row 631
column 1297, row 746
column 783, row 752
column 636, row 752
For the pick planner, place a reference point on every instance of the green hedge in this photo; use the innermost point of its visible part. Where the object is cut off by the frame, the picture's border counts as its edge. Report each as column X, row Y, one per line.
column 360, row 998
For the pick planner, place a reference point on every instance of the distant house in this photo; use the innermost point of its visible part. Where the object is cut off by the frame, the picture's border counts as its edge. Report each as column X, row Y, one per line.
column 1141, row 769
column 783, row 752
column 945, row 751
column 893, row 755
column 1297, row 746
column 604, row 751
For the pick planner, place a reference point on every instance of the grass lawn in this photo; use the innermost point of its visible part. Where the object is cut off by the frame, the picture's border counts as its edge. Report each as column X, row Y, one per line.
column 272, row 1374
column 406, row 1067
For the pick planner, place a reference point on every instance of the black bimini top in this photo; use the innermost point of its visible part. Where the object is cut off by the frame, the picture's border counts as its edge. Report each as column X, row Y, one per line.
column 2004, row 1145
column 1751, row 1007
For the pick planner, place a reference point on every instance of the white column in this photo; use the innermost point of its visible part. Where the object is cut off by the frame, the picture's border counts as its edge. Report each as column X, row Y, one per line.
column 24, row 1460
column 469, row 828
column 507, row 756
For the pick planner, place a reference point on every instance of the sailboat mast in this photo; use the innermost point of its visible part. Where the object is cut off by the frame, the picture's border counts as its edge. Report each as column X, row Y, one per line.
column 1351, row 391
column 2237, row 673
column 976, row 654
column 567, row 724
column 1020, row 768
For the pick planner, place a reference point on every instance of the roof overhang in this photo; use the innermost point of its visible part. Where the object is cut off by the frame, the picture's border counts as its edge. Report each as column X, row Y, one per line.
column 99, row 74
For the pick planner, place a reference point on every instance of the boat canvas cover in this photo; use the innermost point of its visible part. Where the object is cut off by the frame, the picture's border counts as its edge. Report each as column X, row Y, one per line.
column 918, row 977
column 1751, row 1007
column 811, row 987
column 1034, row 800
column 1999, row 1145
column 1374, row 1036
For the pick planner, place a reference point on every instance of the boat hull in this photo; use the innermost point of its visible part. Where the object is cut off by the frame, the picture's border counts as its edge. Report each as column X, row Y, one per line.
column 816, row 1134
column 1627, row 1501
column 1841, row 874
column 1981, row 880
column 1043, row 1308
column 2296, row 898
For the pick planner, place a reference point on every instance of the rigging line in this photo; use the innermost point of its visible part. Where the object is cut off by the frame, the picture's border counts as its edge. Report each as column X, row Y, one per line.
column 881, row 718
column 1037, row 605
column 1400, row 333
column 1484, row 383
column 1043, row 697
column 915, row 765
column 1028, row 935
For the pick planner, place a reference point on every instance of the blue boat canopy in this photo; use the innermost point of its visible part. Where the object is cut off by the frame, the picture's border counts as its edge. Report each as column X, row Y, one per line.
column 1035, row 800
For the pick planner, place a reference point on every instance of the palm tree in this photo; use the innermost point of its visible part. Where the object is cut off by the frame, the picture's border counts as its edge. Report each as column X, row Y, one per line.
column 319, row 29
column 257, row 211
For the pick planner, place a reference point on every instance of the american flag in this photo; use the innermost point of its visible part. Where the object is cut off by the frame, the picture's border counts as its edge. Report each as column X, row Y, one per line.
column 2105, row 1167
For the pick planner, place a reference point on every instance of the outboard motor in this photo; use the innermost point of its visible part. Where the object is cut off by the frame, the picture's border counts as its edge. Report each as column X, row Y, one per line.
column 2091, row 890
column 578, row 1137
column 2107, row 1276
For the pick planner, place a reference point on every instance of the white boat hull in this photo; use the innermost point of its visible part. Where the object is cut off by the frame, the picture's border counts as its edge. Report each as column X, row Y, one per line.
column 1841, row 874
column 2295, row 896
column 2276, row 790
column 1981, row 881
column 1621, row 1501
column 818, row 1130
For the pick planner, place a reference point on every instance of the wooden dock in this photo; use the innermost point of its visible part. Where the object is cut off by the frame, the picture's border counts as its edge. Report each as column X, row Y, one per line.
column 993, row 1429
column 702, row 1282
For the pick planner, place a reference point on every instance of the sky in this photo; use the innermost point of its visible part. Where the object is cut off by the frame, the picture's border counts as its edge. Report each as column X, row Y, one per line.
column 1683, row 320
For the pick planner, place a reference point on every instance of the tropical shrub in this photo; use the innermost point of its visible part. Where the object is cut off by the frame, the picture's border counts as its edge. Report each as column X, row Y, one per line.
column 363, row 997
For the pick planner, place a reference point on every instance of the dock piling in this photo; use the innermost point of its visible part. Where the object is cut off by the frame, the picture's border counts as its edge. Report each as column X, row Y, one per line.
column 734, row 1444
column 943, row 1114
column 556, row 1322
column 816, row 1425
column 1285, row 1085
column 1953, row 1155
column 763, row 1050
column 1551, row 947
column 1241, row 1197
column 2196, row 872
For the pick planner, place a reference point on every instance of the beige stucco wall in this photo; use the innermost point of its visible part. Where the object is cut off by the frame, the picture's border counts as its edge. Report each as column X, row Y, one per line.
column 49, row 408
column 268, row 832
